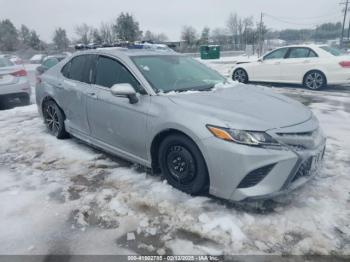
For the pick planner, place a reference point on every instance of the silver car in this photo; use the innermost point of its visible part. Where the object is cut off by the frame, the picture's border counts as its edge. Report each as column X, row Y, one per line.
column 14, row 83
column 173, row 114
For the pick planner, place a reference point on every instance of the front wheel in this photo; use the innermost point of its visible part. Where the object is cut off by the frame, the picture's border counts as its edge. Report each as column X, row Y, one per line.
column 54, row 120
column 314, row 80
column 240, row 75
column 183, row 165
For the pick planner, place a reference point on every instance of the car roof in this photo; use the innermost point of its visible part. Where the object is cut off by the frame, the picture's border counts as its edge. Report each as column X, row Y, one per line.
column 55, row 56
column 302, row 45
column 121, row 51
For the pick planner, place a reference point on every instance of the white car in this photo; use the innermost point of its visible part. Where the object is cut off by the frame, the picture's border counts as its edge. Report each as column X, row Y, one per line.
column 37, row 59
column 314, row 66
column 14, row 83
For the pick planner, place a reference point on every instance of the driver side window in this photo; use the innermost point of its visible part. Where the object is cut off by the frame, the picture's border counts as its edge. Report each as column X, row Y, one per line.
column 110, row 72
column 278, row 54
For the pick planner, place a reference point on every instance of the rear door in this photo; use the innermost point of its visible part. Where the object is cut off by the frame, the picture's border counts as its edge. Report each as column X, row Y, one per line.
column 74, row 88
column 269, row 68
column 298, row 62
column 113, row 120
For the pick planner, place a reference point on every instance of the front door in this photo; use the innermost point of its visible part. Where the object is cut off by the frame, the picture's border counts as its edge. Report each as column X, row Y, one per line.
column 268, row 69
column 113, row 120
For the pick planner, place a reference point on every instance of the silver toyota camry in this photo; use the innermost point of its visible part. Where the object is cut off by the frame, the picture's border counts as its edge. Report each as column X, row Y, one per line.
column 184, row 120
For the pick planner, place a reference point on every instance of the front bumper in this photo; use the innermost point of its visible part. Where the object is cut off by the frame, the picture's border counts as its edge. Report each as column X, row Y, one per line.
column 229, row 164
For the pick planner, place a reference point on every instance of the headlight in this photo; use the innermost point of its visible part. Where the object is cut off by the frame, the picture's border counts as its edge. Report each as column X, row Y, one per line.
column 252, row 138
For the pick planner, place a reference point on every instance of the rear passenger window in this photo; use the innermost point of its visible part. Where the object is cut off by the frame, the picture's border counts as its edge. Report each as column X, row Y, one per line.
column 66, row 69
column 80, row 68
column 301, row 52
column 110, row 72
column 77, row 71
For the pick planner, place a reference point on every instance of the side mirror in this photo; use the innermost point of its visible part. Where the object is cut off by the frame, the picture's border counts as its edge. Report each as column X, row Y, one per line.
column 260, row 60
column 125, row 90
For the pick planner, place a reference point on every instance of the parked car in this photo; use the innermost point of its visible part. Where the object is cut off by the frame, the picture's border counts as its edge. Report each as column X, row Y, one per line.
column 313, row 66
column 175, row 115
column 14, row 59
column 14, row 83
column 49, row 62
column 37, row 59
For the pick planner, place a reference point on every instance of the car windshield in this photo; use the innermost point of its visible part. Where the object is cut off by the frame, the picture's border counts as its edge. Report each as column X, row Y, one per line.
column 5, row 62
column 168, row 73
column 332, row 50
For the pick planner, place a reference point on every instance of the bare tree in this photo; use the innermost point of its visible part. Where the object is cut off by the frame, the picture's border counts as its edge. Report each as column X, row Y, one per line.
column 247, row 29
column 189, row 35
column 153, row 37
column 218, row 35
column 162, row 37
column 85, row 33
column 205, row 35
column 107, row 34
column 232, row 26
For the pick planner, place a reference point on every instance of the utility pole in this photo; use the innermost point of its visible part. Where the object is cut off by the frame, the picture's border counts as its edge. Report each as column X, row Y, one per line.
column 260, row 44
column 345, row 14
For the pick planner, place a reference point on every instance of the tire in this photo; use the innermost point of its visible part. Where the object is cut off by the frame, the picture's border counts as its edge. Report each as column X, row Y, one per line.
column 240, row 75
column 314, row 80
column 54, row 120
column 183, row 165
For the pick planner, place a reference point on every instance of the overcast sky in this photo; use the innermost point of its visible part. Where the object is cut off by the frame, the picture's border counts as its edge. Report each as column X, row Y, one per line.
column 167, row 16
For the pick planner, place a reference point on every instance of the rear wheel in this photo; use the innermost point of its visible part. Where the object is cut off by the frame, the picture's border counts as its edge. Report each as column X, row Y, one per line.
column 240, row 75
column 314, row 80
column 183, row 165
column 54, row 120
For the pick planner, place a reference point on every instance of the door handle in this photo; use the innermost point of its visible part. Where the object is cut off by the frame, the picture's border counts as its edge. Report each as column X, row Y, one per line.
column 92, row 95
column 277, row 63
column 306, row 61
column 59, row 86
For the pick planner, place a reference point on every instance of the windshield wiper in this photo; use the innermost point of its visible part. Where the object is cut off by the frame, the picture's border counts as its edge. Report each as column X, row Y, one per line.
column 196, row 88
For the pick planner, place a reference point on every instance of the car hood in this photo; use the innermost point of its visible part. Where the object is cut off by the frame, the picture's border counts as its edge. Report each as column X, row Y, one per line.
column 245, row 107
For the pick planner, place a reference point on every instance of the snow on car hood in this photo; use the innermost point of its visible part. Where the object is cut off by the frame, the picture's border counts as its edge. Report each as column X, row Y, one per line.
column 245, row 107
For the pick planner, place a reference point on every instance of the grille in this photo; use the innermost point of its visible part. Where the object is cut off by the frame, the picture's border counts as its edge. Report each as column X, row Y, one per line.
column 301, row 141
column 254, row 177
column 304, row 169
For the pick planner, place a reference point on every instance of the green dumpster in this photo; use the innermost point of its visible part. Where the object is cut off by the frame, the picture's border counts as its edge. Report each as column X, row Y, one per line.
column 209, row 51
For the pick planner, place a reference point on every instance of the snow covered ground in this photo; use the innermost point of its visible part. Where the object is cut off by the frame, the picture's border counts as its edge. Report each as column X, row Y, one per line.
column 62, row 196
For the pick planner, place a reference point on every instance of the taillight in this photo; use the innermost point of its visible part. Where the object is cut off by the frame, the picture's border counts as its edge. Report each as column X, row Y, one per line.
column 345, row 64
column 19, row 73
